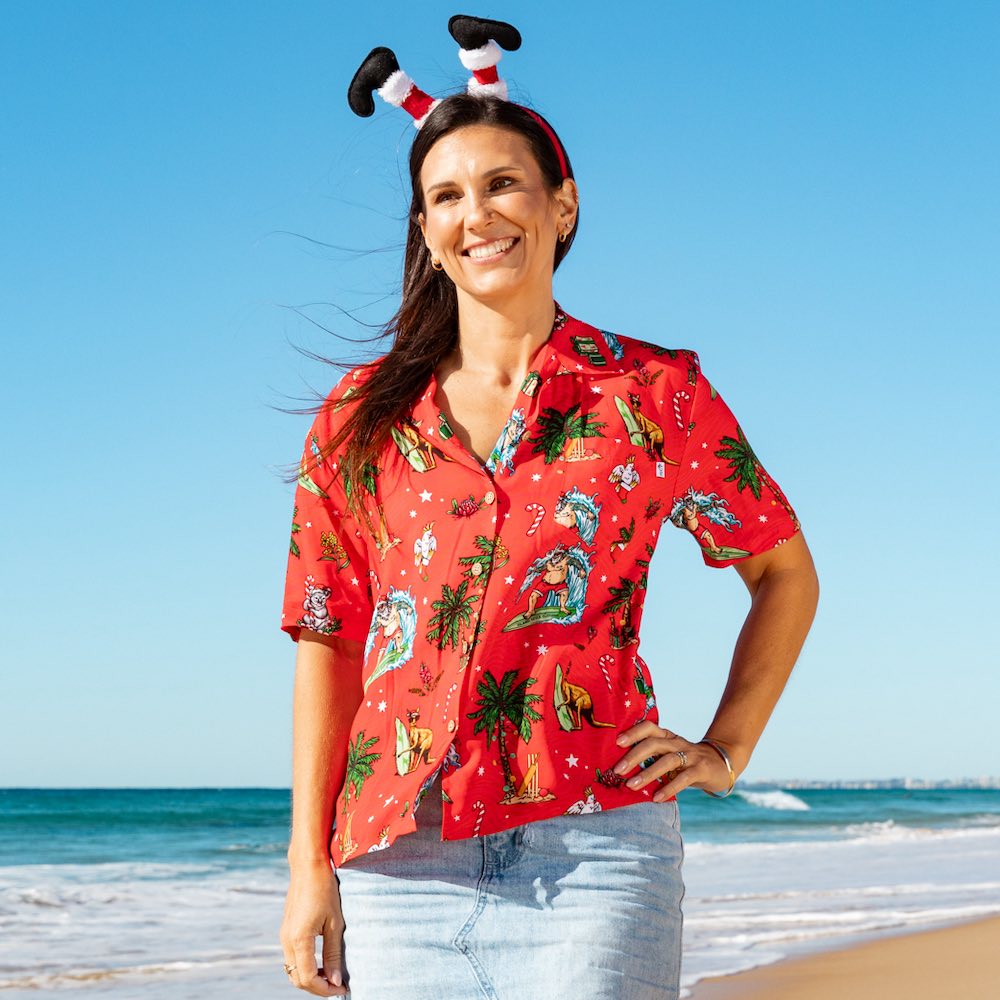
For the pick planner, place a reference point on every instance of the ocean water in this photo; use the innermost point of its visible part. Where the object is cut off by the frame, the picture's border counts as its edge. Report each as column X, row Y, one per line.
column 179, row 893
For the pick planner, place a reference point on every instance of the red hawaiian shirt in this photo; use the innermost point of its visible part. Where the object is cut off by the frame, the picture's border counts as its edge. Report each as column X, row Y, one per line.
column 500, row 604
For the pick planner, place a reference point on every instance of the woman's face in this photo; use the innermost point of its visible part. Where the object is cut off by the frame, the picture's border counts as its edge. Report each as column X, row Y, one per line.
column 489, row 215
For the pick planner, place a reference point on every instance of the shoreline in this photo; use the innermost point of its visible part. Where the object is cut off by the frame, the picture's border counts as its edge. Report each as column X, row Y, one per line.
column 952, row 960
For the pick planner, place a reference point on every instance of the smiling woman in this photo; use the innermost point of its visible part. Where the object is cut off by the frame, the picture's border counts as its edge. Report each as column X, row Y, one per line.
column 474, row 519
column 488, row 204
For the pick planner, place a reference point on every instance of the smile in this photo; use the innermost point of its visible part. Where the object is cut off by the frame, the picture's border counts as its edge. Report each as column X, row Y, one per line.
column 488, row 252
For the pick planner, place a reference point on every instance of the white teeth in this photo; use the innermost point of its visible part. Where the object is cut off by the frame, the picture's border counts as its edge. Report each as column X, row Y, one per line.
column 491, row 249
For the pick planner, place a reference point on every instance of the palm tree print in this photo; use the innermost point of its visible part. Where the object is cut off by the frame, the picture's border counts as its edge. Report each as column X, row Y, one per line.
column 501, row 703
column 747, row 470
column 492, row 555
column 622, row 632
column 360, row 765
column 293, row 546
column 557, row 428
column 454, row 610
column 624, row 537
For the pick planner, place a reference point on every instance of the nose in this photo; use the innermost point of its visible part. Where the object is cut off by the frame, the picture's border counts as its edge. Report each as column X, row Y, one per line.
column 478, row 211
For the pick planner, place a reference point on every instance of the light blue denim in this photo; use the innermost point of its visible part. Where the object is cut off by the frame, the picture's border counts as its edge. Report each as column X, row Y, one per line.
column 575, row 906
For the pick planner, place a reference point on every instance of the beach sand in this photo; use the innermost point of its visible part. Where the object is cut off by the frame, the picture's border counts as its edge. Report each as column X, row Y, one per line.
column 952, row 962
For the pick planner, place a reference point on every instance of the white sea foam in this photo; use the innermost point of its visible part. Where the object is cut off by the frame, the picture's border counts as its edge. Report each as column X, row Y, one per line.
column 775, row 799
column 750, row 904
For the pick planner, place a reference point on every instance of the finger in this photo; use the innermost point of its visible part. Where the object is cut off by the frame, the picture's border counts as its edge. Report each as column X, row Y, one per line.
column 679, row 780
column 638, row 732
column 306, row 974
column 698, row 773
column 661, row 767
column 333, row 956
column 649, row 749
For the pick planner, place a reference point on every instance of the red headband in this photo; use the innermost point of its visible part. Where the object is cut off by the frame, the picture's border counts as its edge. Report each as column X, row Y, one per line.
column 557, row 145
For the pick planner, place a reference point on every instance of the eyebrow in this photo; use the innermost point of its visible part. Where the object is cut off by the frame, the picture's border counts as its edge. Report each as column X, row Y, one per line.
column 489, row 173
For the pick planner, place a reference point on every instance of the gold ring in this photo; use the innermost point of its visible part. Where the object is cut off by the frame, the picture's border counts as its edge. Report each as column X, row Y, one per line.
column 683, row 757
column 289, row 969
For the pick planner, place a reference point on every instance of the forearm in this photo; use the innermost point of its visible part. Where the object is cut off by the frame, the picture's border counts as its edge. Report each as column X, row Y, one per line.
column 769, row 643
column 326, row 696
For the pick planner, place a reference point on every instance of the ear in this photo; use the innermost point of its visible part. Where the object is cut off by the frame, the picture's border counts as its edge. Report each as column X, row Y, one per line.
column 422, row 222
column 568, row 197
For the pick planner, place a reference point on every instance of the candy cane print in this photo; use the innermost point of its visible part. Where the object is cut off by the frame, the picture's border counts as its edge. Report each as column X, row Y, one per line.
column 607, row 658
column 678, row 396
column 481, row 809
column 538, row 517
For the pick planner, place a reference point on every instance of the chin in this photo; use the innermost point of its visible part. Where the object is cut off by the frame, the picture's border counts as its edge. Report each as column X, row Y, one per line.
column 497, row 287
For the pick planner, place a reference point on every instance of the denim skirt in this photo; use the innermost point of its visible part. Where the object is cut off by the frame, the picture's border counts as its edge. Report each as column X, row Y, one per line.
column 571, row 906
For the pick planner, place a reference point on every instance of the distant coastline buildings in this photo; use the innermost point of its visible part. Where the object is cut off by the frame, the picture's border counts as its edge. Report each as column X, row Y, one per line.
column 880, row 784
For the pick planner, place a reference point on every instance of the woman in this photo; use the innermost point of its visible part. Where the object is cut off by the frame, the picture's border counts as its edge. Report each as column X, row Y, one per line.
column 524, row 460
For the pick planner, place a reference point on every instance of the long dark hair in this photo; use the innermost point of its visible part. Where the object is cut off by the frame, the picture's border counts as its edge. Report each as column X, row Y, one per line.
column 425, row 328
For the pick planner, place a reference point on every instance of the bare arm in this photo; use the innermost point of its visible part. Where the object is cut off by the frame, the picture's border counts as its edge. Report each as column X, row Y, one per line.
column 784, row 593
column 326, row 696
column 327, row 693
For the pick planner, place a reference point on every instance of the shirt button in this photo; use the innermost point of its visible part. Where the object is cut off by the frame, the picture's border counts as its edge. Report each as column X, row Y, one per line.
column 490, row 496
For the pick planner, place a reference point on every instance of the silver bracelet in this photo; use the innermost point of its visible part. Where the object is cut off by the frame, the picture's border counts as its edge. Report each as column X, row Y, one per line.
column 732, row 774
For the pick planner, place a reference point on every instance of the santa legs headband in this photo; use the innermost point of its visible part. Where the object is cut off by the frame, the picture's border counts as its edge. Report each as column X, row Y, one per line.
column 481, row 42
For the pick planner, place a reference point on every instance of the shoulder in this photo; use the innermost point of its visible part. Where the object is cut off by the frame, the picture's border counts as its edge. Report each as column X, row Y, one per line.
column 336, row 407
column 661, row 370
column 638, row 351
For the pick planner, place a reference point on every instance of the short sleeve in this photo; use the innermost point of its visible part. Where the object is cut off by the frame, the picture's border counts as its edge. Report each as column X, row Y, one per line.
column 327, row 582
column 722, row 494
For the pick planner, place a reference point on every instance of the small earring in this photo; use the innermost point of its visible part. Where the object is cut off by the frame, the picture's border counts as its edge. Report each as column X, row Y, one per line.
column 436, row 264
column 563, row 236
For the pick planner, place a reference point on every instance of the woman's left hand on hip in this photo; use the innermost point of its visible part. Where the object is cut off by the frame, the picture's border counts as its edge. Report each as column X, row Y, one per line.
column 684, row 764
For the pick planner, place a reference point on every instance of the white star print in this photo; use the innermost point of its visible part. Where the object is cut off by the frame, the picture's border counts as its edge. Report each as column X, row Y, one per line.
column 508, row 580
column 571, row 761
column 542, row 650
column 535, row 477
column 413, row 513
column 381, row 705
column 481, row 771
column 309, row 524
column 694, row 464
column 614, row 518
column 762, row 518
column 426, row 495
column 354, row 580
column 603, row 578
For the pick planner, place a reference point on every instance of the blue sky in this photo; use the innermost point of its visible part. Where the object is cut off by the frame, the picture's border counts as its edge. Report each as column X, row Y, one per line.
column 804, row 193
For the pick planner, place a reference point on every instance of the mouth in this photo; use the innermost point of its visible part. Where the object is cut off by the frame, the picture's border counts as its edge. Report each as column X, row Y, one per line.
column 487, row 253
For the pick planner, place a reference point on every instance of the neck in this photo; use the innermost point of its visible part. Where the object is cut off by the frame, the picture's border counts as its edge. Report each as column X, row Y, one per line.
column 499, row 340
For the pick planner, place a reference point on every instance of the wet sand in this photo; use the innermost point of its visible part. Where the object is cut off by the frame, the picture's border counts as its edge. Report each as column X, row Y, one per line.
column 951, row 962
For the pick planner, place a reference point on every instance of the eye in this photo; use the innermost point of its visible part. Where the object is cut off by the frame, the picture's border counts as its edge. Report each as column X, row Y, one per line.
column 443, row 196
column 501, row 182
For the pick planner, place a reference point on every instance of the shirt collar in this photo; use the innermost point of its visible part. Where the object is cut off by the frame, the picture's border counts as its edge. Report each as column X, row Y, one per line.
column 576, row 348
column 573, row 348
